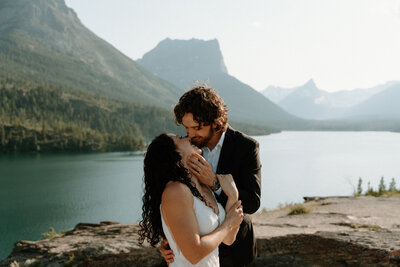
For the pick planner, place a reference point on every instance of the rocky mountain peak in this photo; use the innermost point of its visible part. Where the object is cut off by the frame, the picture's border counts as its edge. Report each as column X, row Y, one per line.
column 308, row 90
column 49, row 23
column 36, row 17
column 199, row 56
column 310, row 84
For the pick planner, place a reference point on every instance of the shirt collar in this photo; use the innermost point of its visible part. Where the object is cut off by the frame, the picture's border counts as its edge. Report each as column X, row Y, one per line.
column 221, row 140
column 218, row 145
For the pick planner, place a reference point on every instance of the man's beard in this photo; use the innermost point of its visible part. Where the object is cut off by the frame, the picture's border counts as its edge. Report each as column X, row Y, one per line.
column 204, row 141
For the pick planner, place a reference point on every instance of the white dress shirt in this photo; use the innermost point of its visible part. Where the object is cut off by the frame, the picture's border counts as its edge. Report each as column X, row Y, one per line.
column 212, row 156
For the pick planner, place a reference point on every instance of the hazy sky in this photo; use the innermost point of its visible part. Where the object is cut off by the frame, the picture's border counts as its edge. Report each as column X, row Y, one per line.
column 341, row 44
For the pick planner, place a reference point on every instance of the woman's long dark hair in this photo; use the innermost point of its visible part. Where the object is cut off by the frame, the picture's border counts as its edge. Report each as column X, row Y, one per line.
column 162, row 163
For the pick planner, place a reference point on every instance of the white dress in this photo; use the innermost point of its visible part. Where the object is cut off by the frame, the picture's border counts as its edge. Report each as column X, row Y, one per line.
column 207, row 221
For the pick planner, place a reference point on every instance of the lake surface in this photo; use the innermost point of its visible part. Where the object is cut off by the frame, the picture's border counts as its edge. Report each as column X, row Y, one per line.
column 61, row 190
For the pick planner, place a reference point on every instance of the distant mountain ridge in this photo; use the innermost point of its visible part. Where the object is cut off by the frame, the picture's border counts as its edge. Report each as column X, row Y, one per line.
column 310, row 102
column 183, row 62
column 276, row 93
column 44, row 41
column 385, row 104
column 306, row 101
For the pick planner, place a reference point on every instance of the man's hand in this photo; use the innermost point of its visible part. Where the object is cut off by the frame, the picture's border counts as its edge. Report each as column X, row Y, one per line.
column 166, row 252
column 201, row 169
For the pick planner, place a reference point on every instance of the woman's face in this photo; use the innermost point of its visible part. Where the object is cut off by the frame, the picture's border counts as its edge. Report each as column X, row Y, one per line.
column 184, row 147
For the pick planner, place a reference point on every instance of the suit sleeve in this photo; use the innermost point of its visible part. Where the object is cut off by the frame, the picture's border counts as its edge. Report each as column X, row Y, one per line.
column 249, row 182
column 248, row 179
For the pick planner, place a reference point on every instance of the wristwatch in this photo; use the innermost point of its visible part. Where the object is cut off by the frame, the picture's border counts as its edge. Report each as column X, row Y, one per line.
column 216, row 184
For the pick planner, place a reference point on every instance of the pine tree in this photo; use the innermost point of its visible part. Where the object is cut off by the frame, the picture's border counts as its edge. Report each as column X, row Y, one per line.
column 35, row 142
column 392, row 186
column 44, row 132
column 3, row 136
column 359, row 187
column 382, row 186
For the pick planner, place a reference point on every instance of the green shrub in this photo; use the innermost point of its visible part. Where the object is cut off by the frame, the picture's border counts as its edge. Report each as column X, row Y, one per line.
column 51, row 234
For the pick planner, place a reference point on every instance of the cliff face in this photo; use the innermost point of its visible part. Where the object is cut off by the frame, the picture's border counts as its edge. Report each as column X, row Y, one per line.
column 176, row 60
column 362, row 231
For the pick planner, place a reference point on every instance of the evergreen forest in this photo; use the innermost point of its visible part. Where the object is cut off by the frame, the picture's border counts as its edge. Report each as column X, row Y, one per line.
column 42, row 118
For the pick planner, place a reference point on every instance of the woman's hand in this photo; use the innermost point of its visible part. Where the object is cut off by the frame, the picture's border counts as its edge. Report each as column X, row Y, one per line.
column 234, row 215
column 228, row 186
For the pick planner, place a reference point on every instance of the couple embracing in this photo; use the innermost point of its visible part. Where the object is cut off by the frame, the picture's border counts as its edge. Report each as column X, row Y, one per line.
column 200, row 189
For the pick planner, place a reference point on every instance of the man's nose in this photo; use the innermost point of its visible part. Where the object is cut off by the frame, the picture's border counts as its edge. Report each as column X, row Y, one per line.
column 190, row 133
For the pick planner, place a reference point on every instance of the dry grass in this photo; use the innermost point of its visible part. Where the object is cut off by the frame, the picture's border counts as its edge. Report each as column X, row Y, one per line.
column 391, row 194
column 299, row 209
column 359, row 226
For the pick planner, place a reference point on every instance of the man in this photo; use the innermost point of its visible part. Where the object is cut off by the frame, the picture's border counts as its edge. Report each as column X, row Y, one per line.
column 226, row 152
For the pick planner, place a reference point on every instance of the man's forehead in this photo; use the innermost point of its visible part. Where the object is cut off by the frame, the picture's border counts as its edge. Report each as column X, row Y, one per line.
column 189, row 121
column 191, row 124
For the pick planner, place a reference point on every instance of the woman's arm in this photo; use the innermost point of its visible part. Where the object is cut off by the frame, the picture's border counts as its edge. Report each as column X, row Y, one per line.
column 229, row 187
column 248, row 175
column 178, row 213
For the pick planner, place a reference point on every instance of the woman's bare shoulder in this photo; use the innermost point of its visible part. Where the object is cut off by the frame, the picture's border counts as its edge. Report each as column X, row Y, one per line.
column 176, row 191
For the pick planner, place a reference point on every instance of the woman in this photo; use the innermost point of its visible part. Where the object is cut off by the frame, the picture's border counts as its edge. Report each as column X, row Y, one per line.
column 177, row 207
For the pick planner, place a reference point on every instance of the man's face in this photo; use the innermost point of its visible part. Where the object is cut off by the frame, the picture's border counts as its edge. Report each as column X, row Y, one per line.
column 199, row 135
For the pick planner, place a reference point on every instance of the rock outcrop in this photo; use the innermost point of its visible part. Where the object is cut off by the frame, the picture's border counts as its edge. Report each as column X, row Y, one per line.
column 362, row 231
column 104, row 244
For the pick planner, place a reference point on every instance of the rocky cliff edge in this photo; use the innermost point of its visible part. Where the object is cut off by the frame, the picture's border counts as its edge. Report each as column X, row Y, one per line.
column 338, row 231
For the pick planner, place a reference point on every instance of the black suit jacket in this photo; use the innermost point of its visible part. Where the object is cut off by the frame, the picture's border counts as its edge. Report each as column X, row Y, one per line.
column 240, row 157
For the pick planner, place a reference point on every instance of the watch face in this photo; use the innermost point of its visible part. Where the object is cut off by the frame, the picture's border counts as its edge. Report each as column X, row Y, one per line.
column 216, row 185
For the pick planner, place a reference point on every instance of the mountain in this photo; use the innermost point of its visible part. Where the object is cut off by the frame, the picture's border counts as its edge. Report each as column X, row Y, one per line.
column 310, row 102
column 306, row 101
column 349, row 98
column 385, row 104
column 276, row 93
column 44, row 41
column 185, row 62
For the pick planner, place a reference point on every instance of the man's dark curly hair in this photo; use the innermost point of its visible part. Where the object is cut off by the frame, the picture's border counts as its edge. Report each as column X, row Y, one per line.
column 162, row 163
column 206, row 106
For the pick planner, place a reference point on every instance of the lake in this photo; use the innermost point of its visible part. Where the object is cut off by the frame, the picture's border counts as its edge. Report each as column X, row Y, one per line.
column 61, row 190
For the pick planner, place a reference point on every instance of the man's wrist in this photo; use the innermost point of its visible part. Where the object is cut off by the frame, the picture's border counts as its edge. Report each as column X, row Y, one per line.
column 216, row 184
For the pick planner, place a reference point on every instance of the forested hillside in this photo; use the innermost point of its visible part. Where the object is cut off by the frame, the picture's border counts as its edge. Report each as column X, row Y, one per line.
column 37, row 117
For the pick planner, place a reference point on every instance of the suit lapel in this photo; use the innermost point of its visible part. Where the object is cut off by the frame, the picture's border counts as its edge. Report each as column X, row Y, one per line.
column 226, row 152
